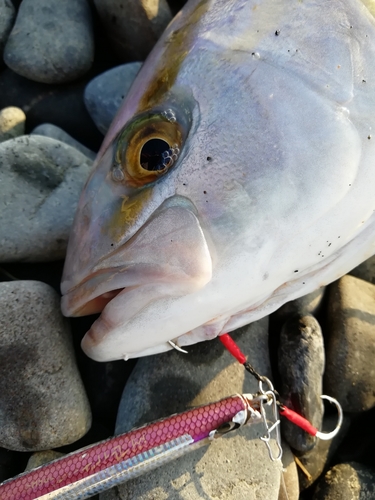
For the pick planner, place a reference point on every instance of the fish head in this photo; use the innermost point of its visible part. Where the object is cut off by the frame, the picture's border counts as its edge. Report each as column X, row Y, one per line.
column 222, row 188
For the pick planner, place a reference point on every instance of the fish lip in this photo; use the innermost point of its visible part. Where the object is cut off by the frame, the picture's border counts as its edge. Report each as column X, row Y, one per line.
column 75, row 301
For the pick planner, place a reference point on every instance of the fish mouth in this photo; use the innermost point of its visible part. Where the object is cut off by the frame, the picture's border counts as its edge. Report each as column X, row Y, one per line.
column 167, row 257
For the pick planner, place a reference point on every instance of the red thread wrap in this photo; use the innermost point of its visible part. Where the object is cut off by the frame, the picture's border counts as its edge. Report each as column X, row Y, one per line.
column 298, row 420
column 232, row 347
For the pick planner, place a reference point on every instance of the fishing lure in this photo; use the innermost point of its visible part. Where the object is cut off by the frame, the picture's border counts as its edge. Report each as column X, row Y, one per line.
column 91, row 470
column 96, row 468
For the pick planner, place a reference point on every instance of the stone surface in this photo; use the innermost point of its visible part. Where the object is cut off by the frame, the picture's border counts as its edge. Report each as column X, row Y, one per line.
column 301, row 368
column 348, row 481
column 51, row 41
column 12, row 123
column 233, row 467
column 365, row 271
column 42, row 399
column 315, row 460
column 105, row 93
column 42, row 457
column 61, row 105
column 7, row 15
column 133, row 26
column 40, row 182
column 308, row 304
column 289, row 487
column 350, row 351
column 49, row 130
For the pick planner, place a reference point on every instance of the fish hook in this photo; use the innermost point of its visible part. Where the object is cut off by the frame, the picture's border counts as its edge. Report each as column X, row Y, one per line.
column 326, row 436
column 177, row 347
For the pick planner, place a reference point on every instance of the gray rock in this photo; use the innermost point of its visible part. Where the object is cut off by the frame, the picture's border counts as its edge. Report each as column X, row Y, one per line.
column 61, row 105
column 233, row 467
column 365, row 271
column 49, row 130
column 352, row 481
column 316, row 460
column 42, row 457
column 42, row 399
column 40, row 183
column 289, row 487
column 105, row 93
column 350, row 352
column 51, row 41
column 12, row 123
column 308, row 304
column 133, row 26
column 301, row 367
column 7, row 14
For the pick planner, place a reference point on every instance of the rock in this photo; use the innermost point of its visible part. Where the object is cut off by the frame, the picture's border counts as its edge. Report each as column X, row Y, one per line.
column 308, row 304
column 12, row 123
column 51, row 41
column 351, row 480
column 233, row 467
column 301, row 368
column 365, row 271
column 40, row 183
column 315, row 460
column 289, row 487
column 61, row 105
column 42, row 399
column 7, row 14
column 49, row 130
column 105, row 93
column 133, row 26
column 350, row 352
column 42, row 457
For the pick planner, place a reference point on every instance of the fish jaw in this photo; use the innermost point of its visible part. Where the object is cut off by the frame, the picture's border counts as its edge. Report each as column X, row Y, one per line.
column 179, row 263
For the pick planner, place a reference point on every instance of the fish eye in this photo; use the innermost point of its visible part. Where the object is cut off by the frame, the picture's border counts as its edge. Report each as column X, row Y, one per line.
column 147, row 149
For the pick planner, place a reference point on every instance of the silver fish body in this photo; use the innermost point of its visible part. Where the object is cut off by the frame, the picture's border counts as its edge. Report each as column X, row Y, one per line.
column 238, row 175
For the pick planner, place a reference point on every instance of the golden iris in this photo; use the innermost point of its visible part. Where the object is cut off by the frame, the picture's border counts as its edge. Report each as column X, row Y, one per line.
column 147, row 148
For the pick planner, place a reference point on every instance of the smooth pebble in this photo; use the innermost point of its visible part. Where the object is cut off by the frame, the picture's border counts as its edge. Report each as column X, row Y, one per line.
column 50, row 130
column 350, row 349
column 42, row 457
column 301, row 368
column 289, row 487
column 7, row 15
column 105, row 93
column 133, row 26
column 51, row 41
column 12, row 123
column 348, row 481
column 40, row 182
column 43, row 403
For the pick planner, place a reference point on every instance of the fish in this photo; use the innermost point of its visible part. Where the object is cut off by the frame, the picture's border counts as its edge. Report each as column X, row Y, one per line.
column 237, row 175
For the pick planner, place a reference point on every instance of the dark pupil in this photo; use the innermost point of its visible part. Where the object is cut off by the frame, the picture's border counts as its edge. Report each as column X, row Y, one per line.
column 151, row 154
